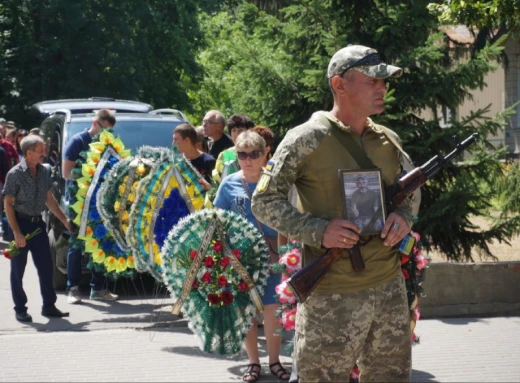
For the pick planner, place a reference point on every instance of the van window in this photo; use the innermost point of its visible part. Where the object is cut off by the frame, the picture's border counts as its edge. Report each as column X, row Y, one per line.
column 134, row 134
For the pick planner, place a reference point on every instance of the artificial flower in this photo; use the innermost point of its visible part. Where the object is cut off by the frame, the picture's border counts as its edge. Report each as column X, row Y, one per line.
column 242, row 286
column 97, row 147
column 130, row 262
column 224, row 262
column 286, row 295
column 88, row 170
column 214, row 299
column 236, row 253
column 78, row 206
column 141, row 169
column 193, row 254
column 121, row 265
column 106, row 137
column 222, row 281
column 98, row 256
column 404, row 259
column 227, row 297
column 289, row 319
column 217, row 247
column 13, row 250
column 209, row 262
column 206, row 277
column 110, row 264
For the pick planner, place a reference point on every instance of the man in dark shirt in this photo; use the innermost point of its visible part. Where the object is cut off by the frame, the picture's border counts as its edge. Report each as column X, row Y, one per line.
column 185, row 138
column 213, row 124
column 27, row 191
column 77, row 144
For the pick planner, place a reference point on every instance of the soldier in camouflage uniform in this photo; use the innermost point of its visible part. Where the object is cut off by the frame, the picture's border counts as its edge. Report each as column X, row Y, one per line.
column 351, row 316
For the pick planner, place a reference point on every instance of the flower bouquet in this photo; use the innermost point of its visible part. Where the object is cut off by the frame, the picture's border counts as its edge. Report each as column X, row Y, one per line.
column 170, row 192
column 413, row 269
column 215, row 264
column 13, row 250
column 289, row 263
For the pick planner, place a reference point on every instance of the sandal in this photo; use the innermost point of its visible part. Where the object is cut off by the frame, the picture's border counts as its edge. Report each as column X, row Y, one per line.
column 281, row 373
column 253, row 371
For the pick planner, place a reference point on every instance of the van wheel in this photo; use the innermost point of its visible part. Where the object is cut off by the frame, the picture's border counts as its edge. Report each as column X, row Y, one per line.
column 59, row 279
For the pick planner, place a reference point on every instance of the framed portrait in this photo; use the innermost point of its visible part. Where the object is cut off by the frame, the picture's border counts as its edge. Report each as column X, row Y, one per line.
column 363, row 197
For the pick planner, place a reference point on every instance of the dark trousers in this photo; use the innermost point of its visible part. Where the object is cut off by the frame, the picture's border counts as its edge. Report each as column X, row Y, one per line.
column 74, row 270
column 41, row 254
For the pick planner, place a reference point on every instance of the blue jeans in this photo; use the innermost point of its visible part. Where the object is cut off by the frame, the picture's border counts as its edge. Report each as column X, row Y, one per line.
column 41, row 254
column 74, row 269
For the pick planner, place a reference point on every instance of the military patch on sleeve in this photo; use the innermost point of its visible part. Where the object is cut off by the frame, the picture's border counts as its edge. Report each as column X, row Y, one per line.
column 263, row 184
column 270, row 165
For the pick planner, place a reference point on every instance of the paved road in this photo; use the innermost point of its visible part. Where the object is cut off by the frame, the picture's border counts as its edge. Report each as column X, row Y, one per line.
column 138, row 339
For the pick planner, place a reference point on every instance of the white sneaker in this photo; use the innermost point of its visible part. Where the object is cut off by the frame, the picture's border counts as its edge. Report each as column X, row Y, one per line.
column 73, row 296
column 103, row 295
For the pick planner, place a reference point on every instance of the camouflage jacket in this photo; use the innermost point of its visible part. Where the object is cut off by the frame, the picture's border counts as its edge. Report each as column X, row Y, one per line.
column 309, row 157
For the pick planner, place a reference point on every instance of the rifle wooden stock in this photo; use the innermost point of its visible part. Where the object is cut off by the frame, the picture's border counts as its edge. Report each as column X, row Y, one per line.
column 406, row 186
column 304, row 282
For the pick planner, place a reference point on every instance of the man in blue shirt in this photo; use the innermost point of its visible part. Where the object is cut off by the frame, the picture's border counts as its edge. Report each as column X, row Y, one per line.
column 77, row 144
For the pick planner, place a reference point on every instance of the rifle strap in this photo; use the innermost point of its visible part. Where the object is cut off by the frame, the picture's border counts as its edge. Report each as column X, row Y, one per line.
column 348, row 142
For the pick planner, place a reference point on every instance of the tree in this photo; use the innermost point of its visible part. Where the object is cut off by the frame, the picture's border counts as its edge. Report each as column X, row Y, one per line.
column 136, row 50
column 272, row 66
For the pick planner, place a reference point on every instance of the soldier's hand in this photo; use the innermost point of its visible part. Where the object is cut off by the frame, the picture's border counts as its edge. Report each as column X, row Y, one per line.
column 19, row 238
column 394, row 230
column 340, row 233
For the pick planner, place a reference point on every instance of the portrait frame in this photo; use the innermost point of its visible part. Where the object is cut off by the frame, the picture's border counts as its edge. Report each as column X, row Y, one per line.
column 363, row 201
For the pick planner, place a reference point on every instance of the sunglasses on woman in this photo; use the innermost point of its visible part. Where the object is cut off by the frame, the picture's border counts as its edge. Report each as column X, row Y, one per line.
column 254, row 155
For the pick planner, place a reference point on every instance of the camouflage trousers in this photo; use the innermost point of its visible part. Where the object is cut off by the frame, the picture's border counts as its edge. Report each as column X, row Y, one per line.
column 370, row 327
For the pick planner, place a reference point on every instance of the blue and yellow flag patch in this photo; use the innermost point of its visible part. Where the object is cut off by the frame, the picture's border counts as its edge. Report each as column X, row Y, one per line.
column 269, row 166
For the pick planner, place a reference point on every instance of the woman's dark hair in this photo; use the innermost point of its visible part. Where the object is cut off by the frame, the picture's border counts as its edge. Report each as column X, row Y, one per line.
column 239, row 121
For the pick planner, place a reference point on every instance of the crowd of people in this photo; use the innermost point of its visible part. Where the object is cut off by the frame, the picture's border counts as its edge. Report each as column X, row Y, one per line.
column 352, row 318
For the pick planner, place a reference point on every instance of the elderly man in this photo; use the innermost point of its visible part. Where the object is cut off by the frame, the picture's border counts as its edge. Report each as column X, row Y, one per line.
column 351, row 316
column 27, row 191
column 213, row 124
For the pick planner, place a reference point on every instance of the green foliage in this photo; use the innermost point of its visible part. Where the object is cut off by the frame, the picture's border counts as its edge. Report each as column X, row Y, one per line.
column 136, row 50
column 272, row 65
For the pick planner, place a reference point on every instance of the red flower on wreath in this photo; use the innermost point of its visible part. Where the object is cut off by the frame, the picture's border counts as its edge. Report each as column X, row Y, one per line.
column 237, row 253
column 242, row 286
column 224, row 262
column 209, row 262
column 227, row 297
column 195, row 284
column 217, row 246
column 193, row 254
column 214, row 299
column 206, row 277
column 222, row 281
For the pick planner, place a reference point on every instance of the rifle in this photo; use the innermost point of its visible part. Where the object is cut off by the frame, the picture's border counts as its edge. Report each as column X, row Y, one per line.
column 305, row 281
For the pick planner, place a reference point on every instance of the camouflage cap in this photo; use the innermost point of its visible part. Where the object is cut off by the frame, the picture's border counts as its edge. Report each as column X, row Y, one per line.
column 349, row 57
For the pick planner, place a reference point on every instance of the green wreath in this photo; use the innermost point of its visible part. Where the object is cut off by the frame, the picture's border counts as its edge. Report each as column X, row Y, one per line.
column 200, row 259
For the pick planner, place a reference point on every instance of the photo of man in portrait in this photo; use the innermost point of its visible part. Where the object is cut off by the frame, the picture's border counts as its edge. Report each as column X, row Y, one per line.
column 365, row 201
